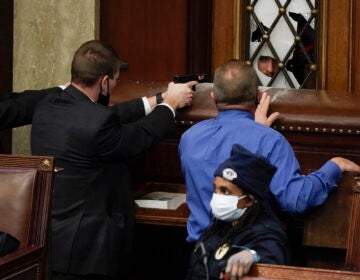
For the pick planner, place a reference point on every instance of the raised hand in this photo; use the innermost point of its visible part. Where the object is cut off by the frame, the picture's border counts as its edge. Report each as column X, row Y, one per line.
column 262, row 111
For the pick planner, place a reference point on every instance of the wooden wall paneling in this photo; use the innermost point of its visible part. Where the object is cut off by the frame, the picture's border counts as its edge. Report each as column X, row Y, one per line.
column 199, row 37
column 321, row 220
column 353, row 254
column 356, row 41
column 339, row 44
column 223, row 31
column 160, row 167
column 151, row 35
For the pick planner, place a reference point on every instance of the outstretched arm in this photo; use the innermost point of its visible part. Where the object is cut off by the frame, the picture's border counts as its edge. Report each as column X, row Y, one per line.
column 346, row 164
column 16, row 109
column 177, row 95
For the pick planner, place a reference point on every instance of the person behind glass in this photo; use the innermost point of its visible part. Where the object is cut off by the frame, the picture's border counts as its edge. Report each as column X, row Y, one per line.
column 268, row 66
column 92, row 205
column 244, row 230
column 207, row 143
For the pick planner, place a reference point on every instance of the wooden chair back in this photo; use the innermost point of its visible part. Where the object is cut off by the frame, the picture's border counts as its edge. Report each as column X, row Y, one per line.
column 25, row 195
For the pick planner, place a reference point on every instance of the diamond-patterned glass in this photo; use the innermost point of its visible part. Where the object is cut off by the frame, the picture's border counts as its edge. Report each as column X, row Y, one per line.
column 282, row 42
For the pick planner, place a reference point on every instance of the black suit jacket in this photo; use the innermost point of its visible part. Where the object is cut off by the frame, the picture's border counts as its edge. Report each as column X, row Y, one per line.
column 92, row 217
column 16, row 109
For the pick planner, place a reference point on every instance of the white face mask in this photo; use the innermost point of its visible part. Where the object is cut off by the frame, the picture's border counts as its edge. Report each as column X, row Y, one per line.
column 224, row 207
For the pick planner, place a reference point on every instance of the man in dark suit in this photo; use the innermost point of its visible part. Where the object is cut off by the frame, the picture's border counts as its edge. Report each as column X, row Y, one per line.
column 92, row 214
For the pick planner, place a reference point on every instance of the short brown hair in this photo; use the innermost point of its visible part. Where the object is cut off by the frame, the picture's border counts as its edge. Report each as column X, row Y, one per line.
column 92, row 60
column 235, row 82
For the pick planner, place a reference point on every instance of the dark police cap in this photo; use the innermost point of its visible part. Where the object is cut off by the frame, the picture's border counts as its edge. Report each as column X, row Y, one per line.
column 252, row 172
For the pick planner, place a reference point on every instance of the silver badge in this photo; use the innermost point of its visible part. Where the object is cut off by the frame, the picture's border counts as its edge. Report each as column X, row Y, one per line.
column 229, row 174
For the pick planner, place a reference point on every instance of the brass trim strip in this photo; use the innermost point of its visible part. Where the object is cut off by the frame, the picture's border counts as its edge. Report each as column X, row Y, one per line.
column 317, row 129
column 333, row 130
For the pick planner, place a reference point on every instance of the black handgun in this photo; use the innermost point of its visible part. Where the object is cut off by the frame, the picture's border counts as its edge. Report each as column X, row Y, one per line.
column 201, row 78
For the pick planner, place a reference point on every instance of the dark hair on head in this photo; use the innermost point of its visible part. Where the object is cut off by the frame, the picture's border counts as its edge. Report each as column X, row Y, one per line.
column 235, row 82
column 92, row 60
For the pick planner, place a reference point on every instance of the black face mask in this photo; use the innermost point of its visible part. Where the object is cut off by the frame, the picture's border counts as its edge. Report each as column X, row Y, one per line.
column 104, row 99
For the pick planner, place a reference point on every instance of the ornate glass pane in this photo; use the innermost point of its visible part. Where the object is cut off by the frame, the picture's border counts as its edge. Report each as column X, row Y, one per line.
column 282, row 42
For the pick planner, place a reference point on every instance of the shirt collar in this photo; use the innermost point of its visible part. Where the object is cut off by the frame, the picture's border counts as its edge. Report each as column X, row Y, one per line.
column 229, row 114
